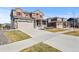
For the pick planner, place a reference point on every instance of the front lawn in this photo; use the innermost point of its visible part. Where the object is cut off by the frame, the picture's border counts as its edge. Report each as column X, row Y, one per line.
column 16, row 35
column 55, row 29
column 74, row 33
column 40, row 47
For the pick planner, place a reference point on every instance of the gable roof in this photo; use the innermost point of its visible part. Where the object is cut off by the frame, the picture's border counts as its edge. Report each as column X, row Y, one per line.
column 26, row 12
column 38, row 11
column 71, row 19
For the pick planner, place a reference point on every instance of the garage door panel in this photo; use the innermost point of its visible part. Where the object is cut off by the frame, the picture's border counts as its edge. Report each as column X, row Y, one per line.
column 25, row 25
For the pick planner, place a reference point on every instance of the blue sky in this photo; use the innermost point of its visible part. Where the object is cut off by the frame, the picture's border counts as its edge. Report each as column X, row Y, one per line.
column 48, row 12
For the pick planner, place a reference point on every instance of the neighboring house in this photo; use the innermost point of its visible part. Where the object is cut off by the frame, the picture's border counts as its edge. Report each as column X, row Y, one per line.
column 18, row 14
column 73, row 22
column 6, row 26
column 77, row 24
column 56, row 22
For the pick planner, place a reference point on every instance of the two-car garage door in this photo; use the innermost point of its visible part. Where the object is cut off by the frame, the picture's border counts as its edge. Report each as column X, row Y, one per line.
column 25, row 25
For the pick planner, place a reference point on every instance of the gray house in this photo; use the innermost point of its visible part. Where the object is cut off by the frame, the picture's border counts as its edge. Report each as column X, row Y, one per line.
column 73, row 22
column 56, row 22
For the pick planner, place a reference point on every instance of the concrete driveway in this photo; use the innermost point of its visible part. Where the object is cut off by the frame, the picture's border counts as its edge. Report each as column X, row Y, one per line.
column 65, row 43
column 58, row 40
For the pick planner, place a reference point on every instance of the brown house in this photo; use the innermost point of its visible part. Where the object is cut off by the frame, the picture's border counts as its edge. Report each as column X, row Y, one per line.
column 18, row 14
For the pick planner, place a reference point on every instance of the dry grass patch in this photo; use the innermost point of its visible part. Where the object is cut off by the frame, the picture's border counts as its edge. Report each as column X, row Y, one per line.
column 55, row 29
column 40, row 47
column 74, row 33
column 16, row 35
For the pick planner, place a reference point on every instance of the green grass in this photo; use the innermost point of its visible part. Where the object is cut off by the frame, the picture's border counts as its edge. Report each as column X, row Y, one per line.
column 55, row 29
column 40, row 47
column 74, row 33
column 16, row 35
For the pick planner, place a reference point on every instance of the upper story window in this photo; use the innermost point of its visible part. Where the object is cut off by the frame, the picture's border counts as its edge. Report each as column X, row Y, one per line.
column 33, row 15
column 37, row 14
column 41, row 16
column 27, row 14
column 18, row 14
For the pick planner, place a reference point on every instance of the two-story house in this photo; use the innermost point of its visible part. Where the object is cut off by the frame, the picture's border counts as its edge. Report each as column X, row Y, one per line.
column 56, row 22
column 18, row 14
column 73, row 22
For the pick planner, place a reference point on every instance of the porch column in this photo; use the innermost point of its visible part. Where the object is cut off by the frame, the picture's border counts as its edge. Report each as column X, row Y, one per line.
column 41, row 22
column 34, row 23
column 16, row 23
column 46, row 23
